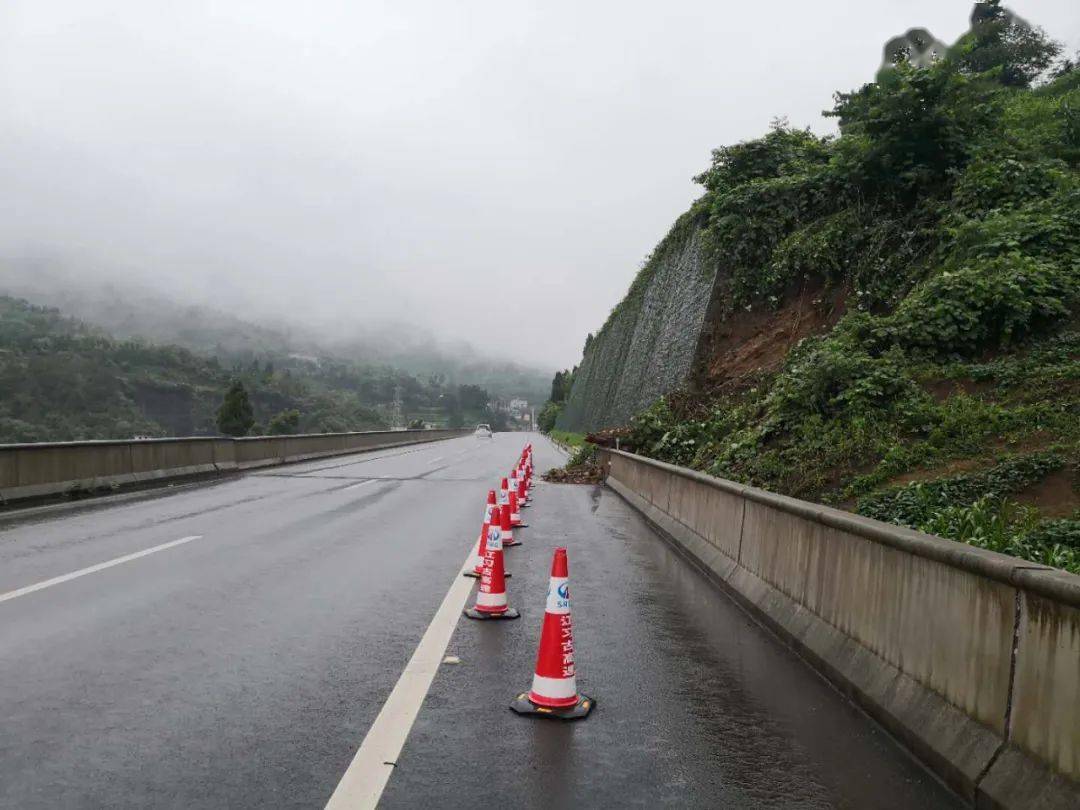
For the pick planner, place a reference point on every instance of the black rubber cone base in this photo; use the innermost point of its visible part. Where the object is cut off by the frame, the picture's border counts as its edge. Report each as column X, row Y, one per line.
column 509, row 613
column 511, row 544
column 521, row 526
column 474, row 575
column 580, row 710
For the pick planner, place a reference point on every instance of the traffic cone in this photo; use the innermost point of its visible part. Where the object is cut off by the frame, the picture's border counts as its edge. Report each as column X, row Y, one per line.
column 504, row 493
column 491, row 601
column 523, row 489
column 478, row 558
column 507, row 527
column 515, row 512
column 554, row 691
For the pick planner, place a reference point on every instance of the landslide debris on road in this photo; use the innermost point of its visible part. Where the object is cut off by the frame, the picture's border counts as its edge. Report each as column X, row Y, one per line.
column 580, row 468
column 583, row 474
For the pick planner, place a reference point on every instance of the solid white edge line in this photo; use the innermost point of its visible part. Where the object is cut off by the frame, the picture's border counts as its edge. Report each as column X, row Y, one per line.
column 365, row 779
column 93, row 569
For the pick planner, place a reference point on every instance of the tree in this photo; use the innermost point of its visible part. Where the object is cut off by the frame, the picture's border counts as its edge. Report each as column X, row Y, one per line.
column 1066, row 66
column 556, row 388
column 561, row 384
column 910, row 134
column 235, row 417
column 472, row 398
column 284, row 423
column 545, row 420
column 1004, row 45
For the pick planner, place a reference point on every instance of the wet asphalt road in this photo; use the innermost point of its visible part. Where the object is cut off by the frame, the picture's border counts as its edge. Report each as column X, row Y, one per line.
column 243, row 669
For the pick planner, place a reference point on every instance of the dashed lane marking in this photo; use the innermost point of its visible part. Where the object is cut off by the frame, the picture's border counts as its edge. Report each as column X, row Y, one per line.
column 93, row 569
column 366, row 777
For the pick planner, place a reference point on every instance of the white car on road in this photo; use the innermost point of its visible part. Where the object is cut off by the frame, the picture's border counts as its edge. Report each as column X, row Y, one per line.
column 483, row 432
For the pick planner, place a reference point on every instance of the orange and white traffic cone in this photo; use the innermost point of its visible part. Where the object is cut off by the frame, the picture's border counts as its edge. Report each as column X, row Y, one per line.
column 507, row 526
column 491, row 599
column 515, row 512
column 554, row 688
column 504, row 492
column 523, row 489
column 489, row 514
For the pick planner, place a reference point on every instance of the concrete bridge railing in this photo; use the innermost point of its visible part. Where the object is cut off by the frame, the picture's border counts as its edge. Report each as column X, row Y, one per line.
column 971, row 658
column 38, row 470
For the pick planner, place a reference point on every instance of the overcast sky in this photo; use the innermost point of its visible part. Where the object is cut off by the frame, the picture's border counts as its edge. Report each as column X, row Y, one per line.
column 481, row 169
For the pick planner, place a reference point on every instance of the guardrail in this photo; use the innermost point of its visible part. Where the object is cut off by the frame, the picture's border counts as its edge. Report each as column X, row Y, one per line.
column 969, row 657
column 39, row 470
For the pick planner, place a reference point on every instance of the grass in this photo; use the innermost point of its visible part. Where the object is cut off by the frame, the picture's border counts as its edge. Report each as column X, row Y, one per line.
column 567, row 438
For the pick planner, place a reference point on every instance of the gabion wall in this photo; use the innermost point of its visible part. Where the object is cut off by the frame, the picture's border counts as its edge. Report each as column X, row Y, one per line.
column 648, row 346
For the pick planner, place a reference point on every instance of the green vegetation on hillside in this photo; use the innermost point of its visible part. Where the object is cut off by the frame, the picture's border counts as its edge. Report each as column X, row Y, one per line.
column 561, row 384
column 61, row 380
column 127, row 311
column 568, row 438
column 946, row 219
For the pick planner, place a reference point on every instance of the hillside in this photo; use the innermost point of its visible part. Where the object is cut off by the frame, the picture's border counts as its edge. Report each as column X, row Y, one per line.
column 62, row 380
column 891, row 322
column 130, row 312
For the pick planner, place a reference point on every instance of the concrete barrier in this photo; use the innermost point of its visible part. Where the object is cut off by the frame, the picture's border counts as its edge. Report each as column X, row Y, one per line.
column 39, row 470
column 970, row 658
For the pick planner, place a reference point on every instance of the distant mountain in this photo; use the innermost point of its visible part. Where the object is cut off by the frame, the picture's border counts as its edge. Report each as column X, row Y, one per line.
column 128, row 311
column 62, row 379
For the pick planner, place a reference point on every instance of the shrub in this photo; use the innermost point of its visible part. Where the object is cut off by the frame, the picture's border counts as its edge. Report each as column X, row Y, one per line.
column 284, row 423
column 982, row 305
column 549, row 414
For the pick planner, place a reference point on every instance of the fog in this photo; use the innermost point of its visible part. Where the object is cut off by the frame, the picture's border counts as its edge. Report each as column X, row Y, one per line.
column 492, row 171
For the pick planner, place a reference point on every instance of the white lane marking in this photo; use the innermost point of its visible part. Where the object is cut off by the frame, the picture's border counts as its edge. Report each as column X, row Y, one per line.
column 366, row 777
column 361, row 484
column 93, row 569
column 436, row 460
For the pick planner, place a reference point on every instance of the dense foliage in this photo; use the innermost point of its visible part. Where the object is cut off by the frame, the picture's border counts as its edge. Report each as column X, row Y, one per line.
column 561, row 384
column 946, row 219
column 235, row 417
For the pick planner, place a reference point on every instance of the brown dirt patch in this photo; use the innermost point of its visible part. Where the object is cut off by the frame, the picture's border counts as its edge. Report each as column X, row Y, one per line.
column 1039, row 440
column 961, row 465
column 1055, row 496
column 941, row 390
column 745, row 345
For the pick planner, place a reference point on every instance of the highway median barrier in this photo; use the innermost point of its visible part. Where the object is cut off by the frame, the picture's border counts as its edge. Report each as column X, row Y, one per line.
column 49, row 469
column 970, row 658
